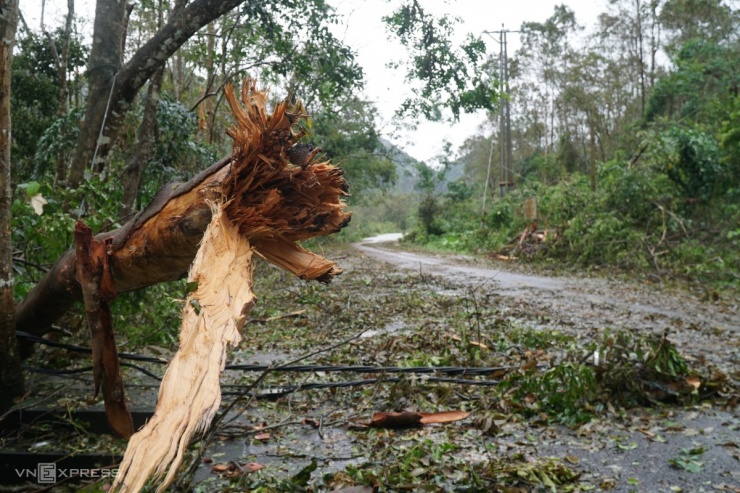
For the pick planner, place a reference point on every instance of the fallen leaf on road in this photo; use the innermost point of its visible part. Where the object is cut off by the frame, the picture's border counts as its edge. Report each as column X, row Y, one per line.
column 443, row 417
column 234, row 469
column 407, row 419
column 354, row 489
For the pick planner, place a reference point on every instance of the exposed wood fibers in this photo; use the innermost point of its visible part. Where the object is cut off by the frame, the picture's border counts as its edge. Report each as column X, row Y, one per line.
column 269, row 205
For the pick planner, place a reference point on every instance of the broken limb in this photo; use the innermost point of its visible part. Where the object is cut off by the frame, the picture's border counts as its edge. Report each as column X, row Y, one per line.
column 266, row 205
column 93, row 273
column 190, row 393
column 272, row 202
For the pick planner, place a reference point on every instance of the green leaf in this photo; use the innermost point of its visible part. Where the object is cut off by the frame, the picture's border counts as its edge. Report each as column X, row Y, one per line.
column 304, row 475
column 32, row 188
column 196, row 305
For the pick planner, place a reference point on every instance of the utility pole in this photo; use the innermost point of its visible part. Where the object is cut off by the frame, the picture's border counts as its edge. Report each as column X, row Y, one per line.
column 506, row 161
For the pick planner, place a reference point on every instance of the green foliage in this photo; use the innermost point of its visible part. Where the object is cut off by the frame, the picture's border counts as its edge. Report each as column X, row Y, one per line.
column 349, row 138
column 638, row 220
column 41, row 239
column 636, row 365
column 501, row 216
column 57, row 139
column 729, row 139
column 459, row 191
column 177, row 153
column 149, row 316
column 142, row 317
column 701, row 87
column 428, row 210
column 450, row 77
column 688, row 460
column 34, row 96
column 688, row 20
column 296, row 41
column 692, row 161
column 564, row 391
column 629, row 369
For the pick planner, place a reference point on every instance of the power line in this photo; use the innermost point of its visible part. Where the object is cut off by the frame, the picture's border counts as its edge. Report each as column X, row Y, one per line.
column 459, row 371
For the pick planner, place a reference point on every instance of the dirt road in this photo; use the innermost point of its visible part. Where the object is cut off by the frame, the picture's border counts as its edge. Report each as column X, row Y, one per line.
column 700, row 329
column 394, row 309
column 632, row 452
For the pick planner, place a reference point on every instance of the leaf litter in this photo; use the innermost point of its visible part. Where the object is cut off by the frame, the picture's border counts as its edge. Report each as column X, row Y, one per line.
column 607, row 386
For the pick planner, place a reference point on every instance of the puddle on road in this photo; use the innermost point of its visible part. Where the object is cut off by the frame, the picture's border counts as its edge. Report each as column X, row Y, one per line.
column 390, row 328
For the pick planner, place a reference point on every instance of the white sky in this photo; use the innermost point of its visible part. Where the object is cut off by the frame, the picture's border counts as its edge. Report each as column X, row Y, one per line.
column 363, row 30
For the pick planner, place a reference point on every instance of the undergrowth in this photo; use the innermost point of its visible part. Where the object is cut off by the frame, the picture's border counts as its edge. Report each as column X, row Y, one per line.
column 635, row 222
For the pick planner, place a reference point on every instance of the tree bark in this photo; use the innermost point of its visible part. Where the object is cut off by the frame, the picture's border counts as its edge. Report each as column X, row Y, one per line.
column 108, row 83
column 11, row 376
column 206, row 110
column 93, row 273
column 103, row 68
column 145, row 142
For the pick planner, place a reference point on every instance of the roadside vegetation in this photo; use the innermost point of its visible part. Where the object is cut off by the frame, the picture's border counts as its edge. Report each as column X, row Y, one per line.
column 628, row 164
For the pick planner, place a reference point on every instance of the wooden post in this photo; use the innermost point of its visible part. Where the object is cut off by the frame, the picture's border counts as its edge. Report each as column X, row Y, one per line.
column 593, row 156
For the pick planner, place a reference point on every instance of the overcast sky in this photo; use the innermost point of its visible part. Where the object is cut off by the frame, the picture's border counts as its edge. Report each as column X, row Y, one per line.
column 362, row 29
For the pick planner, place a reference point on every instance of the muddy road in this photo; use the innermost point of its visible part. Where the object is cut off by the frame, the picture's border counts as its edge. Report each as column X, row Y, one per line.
column 632, row 451
column 702, row 329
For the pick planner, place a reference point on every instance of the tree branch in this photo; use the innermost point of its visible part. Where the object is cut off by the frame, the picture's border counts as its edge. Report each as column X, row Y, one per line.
column 179, row 28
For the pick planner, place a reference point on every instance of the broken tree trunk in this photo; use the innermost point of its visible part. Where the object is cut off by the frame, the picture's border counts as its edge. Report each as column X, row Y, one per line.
column 274, row 205
column 190, row 392
column 266, row 204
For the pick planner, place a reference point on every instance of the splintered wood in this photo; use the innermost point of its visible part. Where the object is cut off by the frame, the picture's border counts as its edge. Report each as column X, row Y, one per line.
column 190, row 393
column 273, row 202
column 267, row 204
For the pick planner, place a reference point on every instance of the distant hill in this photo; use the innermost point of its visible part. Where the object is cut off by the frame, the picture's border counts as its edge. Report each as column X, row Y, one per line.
column 407, row 174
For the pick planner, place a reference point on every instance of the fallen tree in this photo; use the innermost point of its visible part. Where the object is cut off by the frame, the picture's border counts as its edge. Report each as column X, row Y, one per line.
column 274, row 202
column 255, row 201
